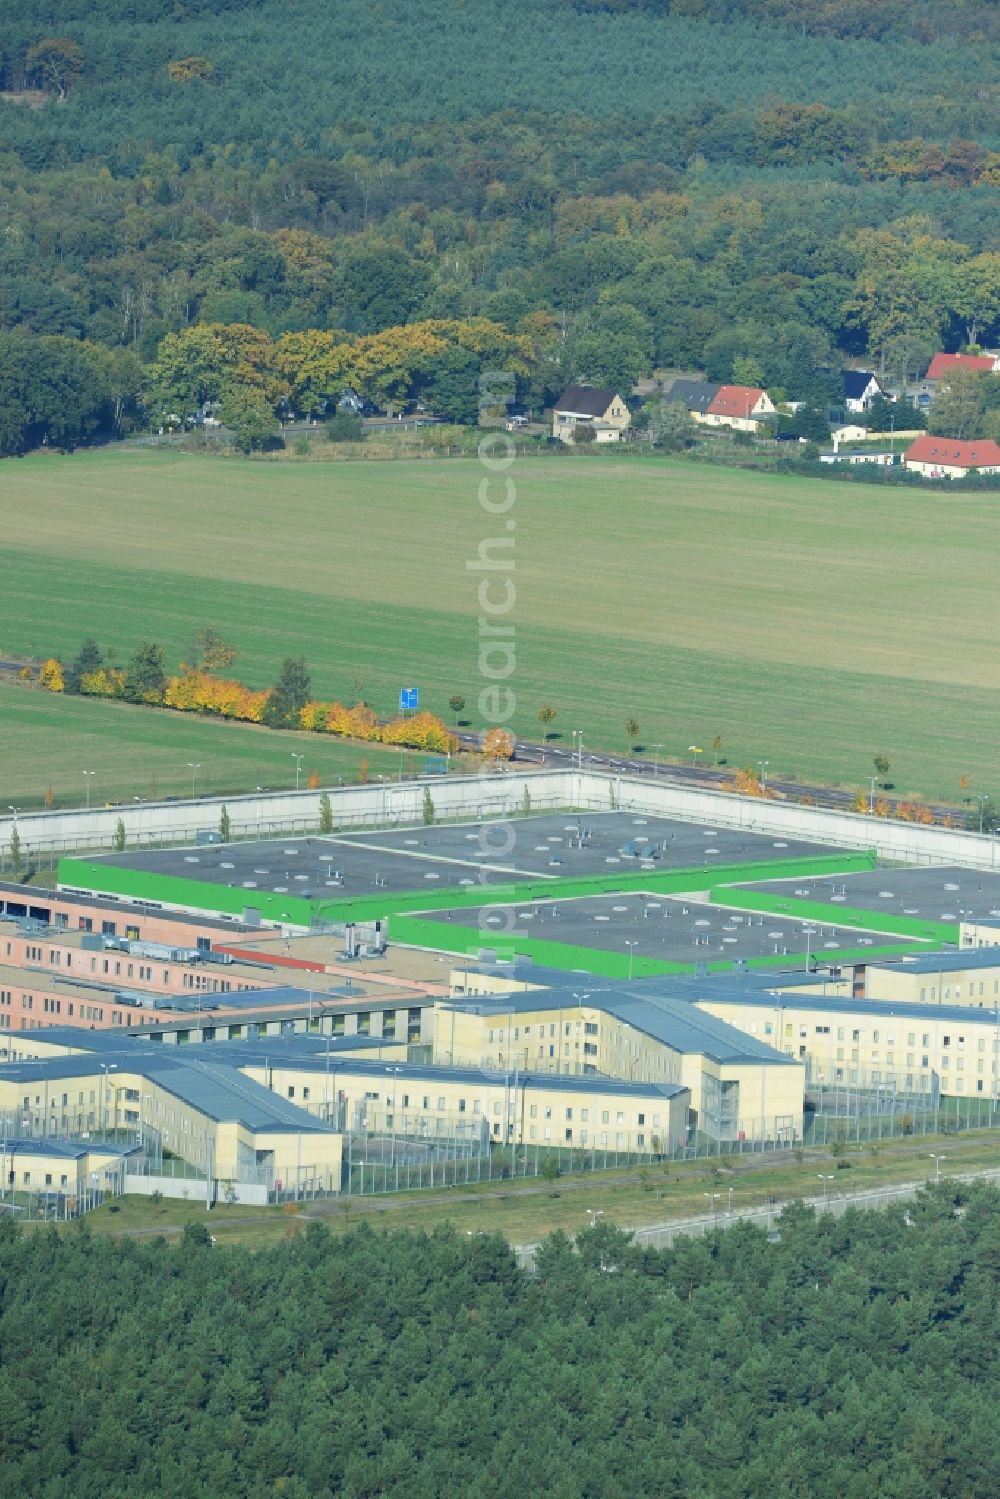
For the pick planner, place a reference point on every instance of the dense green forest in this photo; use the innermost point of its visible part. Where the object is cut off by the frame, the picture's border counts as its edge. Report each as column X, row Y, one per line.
column 629, row 184
column 854, row 1357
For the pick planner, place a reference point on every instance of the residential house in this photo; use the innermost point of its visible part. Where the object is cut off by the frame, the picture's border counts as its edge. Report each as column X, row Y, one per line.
column 695, row 395
column 848, row 433
column 590, row 406
column 943, row 365
column 743, row 407
column 860, row 388
column 947, row 458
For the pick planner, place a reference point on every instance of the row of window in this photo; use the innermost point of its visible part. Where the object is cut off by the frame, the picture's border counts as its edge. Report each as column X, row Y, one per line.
column 858, row 1034
column 946, row 990
column 461, row 1106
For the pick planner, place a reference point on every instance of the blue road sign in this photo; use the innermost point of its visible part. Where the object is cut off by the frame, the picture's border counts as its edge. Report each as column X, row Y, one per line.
column 409, row 699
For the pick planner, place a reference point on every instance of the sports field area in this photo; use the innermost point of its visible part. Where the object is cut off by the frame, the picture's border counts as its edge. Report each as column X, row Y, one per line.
column 810, row 623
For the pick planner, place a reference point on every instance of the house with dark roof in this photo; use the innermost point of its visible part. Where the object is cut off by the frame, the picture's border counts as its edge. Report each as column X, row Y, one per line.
column 860, row 388
column 947, row 458
column 604, row 411
column 694, row 395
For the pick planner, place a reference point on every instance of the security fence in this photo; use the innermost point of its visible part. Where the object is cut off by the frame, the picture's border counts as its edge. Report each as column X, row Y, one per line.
column 52, row 1205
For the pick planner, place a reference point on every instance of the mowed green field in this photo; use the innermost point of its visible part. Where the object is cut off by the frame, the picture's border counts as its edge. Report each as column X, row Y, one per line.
column 807, row 622
column 48, row 741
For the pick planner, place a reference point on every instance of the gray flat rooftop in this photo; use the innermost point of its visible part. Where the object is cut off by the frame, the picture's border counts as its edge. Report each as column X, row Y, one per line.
column 659, row 1007
column 940, row 894
column 571, row 844
column 939, row 960
column 670, row 928
column 426, row 858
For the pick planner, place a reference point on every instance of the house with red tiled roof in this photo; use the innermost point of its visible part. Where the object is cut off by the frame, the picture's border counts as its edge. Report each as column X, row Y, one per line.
column 744, row 407
column 943, row 365
column 947, row 458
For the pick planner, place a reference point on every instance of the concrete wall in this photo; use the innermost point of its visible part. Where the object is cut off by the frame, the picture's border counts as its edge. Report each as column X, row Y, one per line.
column 476, row 796
column 247, row 1194
column 285, row 812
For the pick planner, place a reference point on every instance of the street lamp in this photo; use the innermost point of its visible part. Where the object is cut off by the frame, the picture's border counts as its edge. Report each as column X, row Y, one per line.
column 594, row 1214
column 729, row 1204
column 578, row 737
column 694, row 750
column 298, row 767
column 393, row 1071
column 106, row 1067
column 87, row 775
column 630, row 945
column 808, row 932
column 713, row 1198
column 656, row 758
column 982, row 799
column 260, row 808
column 763, row 772
column 826, row 1177
column 937, row 1159
column 193, row 766
column 871, row 798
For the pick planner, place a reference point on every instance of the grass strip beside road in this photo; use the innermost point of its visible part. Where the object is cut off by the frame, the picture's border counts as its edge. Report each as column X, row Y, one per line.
column 527, row 1210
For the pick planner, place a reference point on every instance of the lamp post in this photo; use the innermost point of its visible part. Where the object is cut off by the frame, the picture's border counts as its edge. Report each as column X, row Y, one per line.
column 729, row 1203
column 982, row 799
column 578, row 737
column 630, row 945
column 193, row 766
column 826, row 1177
column 713, row 1198
column 808, row 932
column 298, row 767
column 260, row 808
column 87, row 777
column 656, row 758
column 593, row 1214
column 106, row 1067
column 393, row 1072
column 871, row 797
column 937, row 1159
column 763, row 772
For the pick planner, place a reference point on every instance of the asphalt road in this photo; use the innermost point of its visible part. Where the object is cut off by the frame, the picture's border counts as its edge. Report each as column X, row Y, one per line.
column 706, row 776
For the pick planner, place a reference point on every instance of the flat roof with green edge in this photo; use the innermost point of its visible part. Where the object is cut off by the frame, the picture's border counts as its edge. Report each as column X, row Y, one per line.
column 670, row 929
column 550, row 846
column 940, row 896
column 102, row 876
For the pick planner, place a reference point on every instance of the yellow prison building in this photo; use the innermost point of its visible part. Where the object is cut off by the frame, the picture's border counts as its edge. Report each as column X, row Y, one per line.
column 537, row 1020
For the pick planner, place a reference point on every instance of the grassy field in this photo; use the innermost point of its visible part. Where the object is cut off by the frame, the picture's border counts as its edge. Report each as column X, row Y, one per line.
column 48, row 741
column 807, row 622
column 526, row 1211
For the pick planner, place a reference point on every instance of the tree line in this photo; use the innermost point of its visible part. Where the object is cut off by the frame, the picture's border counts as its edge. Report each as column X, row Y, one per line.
column 854, row 216
column 853, row 1356
column 199, row 687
